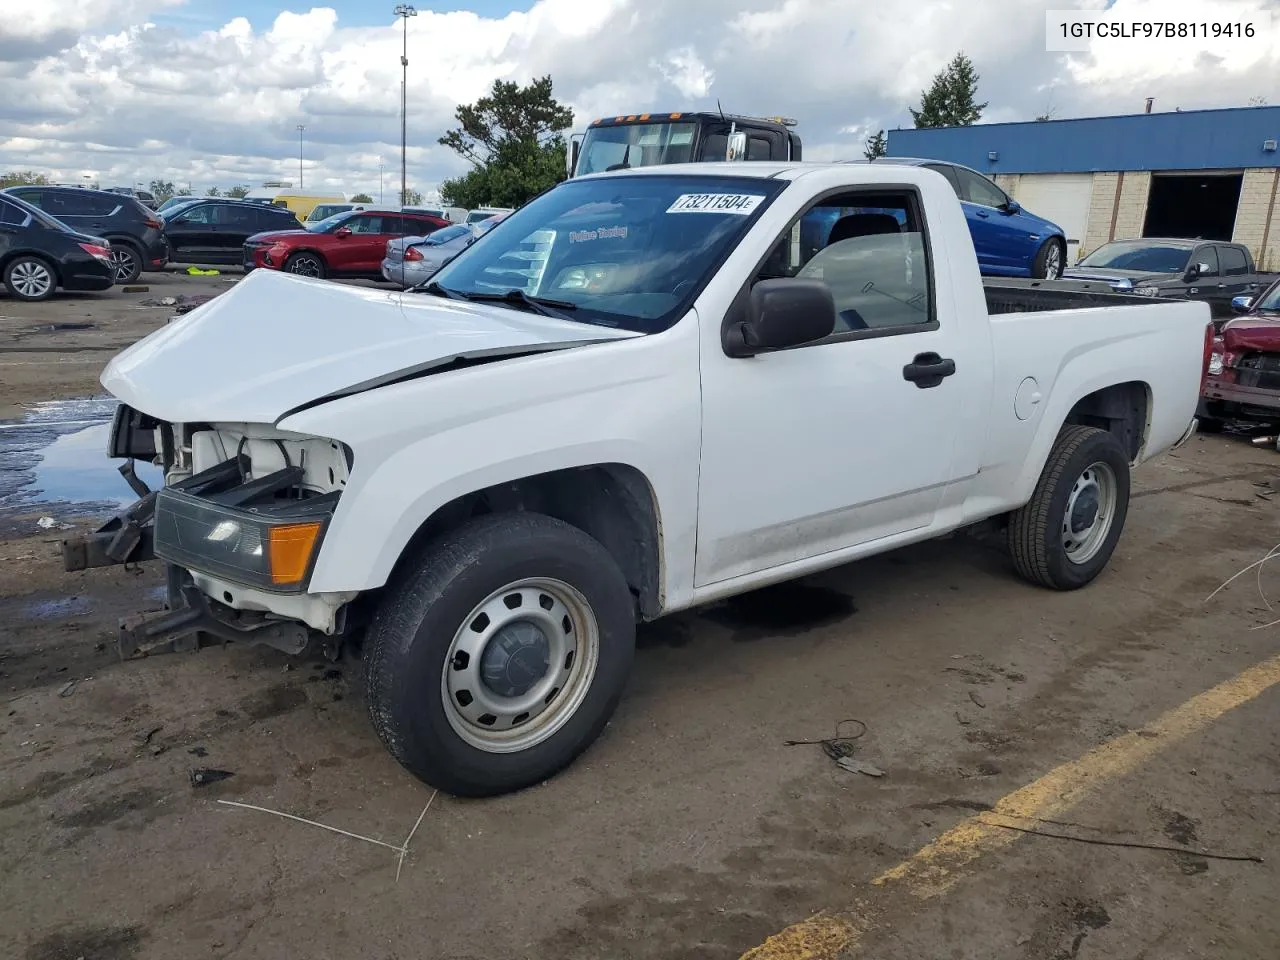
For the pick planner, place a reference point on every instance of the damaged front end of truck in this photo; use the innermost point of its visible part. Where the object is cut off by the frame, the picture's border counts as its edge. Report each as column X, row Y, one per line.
column 238, row 526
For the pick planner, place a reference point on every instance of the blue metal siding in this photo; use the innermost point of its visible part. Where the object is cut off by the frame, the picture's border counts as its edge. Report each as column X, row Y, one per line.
column 1194, row 140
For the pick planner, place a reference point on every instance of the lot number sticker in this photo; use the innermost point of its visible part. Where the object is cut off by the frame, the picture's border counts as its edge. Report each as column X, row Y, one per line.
column 741, row 204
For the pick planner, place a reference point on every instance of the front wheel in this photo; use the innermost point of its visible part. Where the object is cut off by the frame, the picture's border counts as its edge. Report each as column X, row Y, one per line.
column 1050, row 260
column 306, row 265
column 500, row 656
column 1065, row 534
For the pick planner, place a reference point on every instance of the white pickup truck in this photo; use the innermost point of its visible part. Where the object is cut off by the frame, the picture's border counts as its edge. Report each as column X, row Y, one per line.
column 637, row 394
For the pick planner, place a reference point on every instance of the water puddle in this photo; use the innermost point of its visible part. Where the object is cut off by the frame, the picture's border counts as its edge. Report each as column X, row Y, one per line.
column 54, row 461
column 58, row 609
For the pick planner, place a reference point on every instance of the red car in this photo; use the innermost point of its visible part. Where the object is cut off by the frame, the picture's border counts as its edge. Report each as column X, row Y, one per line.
column 350, row 244
column 1242, row 380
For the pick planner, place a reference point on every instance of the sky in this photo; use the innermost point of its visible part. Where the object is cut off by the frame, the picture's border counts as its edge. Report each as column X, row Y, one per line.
column 211, row 92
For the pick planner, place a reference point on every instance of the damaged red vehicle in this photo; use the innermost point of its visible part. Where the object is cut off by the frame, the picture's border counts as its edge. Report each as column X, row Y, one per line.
column 1242, row 376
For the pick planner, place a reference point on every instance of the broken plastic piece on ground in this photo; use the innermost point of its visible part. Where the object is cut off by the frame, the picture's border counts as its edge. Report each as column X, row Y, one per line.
column 859, row 766
column 135, row 289
column 204, row 776
column 48, row 523
column 197, row 272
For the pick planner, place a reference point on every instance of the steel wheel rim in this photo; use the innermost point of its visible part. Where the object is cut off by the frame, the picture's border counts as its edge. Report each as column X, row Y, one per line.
column 122, row 261
column 31, row 278
column 482, row 715
column 1053, row 262
column 306, row 267
column 1091, row 510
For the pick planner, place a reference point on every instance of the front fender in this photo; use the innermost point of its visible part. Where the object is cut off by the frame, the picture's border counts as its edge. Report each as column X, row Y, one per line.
column 420, row 444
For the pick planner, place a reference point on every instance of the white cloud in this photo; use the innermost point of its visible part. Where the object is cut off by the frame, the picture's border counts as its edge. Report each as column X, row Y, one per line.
column 100, row 90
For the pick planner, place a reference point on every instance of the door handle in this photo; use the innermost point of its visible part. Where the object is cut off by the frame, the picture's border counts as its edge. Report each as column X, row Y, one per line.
column 928, row 370
column 981, row 213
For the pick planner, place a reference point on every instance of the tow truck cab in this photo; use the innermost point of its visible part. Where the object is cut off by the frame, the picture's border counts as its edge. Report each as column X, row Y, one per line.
column 650, row 139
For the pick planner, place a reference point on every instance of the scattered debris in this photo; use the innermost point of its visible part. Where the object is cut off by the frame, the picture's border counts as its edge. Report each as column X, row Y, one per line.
column 197, row 272
column 401, row 850
column 963, row 721
column 205, row 776
column 145, row 738
column 1024, row 940
column 67, row 690
column 48, row 523
column 859, row 766
column 977, row 699
column 198, row 752
column 1132, row 845
column 157, row 749
column 135, row 289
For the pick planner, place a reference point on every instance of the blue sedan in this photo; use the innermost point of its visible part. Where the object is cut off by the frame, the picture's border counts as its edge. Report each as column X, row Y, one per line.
column 1010, row 241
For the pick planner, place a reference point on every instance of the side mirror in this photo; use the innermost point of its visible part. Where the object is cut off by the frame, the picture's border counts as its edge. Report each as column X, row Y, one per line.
column 1241, row 304
column 736, row 148
column 342, row 232
column 1012, row 206
column 571, row 151
column 1195, row 272
column 781, row 313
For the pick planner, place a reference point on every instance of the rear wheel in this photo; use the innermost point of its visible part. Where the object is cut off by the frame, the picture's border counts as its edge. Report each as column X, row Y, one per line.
column 126, row 261
column 30, row 278
column 1065, row 534
column 500, row 656
column 306, row 265
column 1050, row 260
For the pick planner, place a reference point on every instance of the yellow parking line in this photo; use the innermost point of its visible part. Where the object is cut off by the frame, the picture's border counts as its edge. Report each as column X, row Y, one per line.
column 936, row 867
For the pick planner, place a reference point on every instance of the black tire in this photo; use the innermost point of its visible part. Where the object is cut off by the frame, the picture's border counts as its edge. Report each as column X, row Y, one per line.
column 127, row 259
column 1208, row 421
column 21, row 278
column 413, row 628
column 1040, row 268
column 1036, row 530
column 307, row 264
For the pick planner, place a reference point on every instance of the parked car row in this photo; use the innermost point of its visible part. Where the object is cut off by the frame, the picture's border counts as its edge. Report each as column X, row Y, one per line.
column 40, row 254
column 348, row 244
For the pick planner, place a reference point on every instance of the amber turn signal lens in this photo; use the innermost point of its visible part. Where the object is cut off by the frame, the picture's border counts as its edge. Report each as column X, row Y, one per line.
column 289, row 550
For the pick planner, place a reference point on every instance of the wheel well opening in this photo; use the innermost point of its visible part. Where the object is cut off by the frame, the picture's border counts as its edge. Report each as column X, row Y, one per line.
column 33, row 255
column 610, row 502
column 1121, row 409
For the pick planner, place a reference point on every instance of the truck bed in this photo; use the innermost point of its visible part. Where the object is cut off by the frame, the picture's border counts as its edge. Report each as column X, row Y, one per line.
column 1011, row 295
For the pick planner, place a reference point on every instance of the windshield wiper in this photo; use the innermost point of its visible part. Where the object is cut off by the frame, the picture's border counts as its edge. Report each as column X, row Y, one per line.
column 434, row 288
column 517, row 297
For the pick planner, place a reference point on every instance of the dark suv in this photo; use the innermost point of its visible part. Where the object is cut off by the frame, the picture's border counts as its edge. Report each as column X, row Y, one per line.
column 214, row 231
column 136, row 233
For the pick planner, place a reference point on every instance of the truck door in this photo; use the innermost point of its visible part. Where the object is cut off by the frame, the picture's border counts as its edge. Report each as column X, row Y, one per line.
column 850, row 439
column 762, row 144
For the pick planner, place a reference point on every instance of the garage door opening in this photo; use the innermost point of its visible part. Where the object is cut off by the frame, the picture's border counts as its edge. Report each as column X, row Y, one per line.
column 1195, row 206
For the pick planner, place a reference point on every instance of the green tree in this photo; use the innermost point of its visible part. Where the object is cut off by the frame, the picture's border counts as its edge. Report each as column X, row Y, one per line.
column 951, row 100
column 513, row 139
column 410, row 198
column 877, row 146
column 22, row 178
column 184, row 192
column 162, row 190
column 213, row 192
column 239, row 191
column 363, row 198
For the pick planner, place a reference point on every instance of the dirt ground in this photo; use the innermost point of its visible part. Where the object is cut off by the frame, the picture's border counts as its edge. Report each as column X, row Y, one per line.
column 692, row 829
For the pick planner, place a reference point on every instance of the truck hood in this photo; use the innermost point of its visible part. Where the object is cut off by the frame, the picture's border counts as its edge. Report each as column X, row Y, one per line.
column 1109, row 275
column 1261, row 333
column 277, row 342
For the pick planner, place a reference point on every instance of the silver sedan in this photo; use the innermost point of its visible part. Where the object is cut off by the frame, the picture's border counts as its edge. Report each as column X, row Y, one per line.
column 412, row 260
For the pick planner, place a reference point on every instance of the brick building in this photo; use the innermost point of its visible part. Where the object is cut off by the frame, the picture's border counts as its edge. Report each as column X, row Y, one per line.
column 1200, row 173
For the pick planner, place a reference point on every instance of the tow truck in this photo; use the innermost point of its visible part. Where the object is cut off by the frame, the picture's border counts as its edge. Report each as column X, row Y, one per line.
column 650, row 139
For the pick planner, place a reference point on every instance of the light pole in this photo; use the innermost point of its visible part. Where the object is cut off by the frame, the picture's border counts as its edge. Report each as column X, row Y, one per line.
column 301, row 127
column 379, row 180
column 404, row 11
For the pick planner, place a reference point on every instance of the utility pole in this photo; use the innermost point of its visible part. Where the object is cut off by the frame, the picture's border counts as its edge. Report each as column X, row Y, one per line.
column 404, row 11
column 379, row 180
column 301, row 127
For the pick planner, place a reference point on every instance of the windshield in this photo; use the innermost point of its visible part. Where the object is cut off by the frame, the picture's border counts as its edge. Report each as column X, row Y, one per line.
column 325, row 210
column 1139, row 255
column 626, row 252
column 445, row 235
column 330, row 224
column 1270, row 300
column 635, row 145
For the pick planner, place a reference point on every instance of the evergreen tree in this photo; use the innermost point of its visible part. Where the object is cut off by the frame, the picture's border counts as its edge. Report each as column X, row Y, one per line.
column 951, row 100
column 877, row 146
